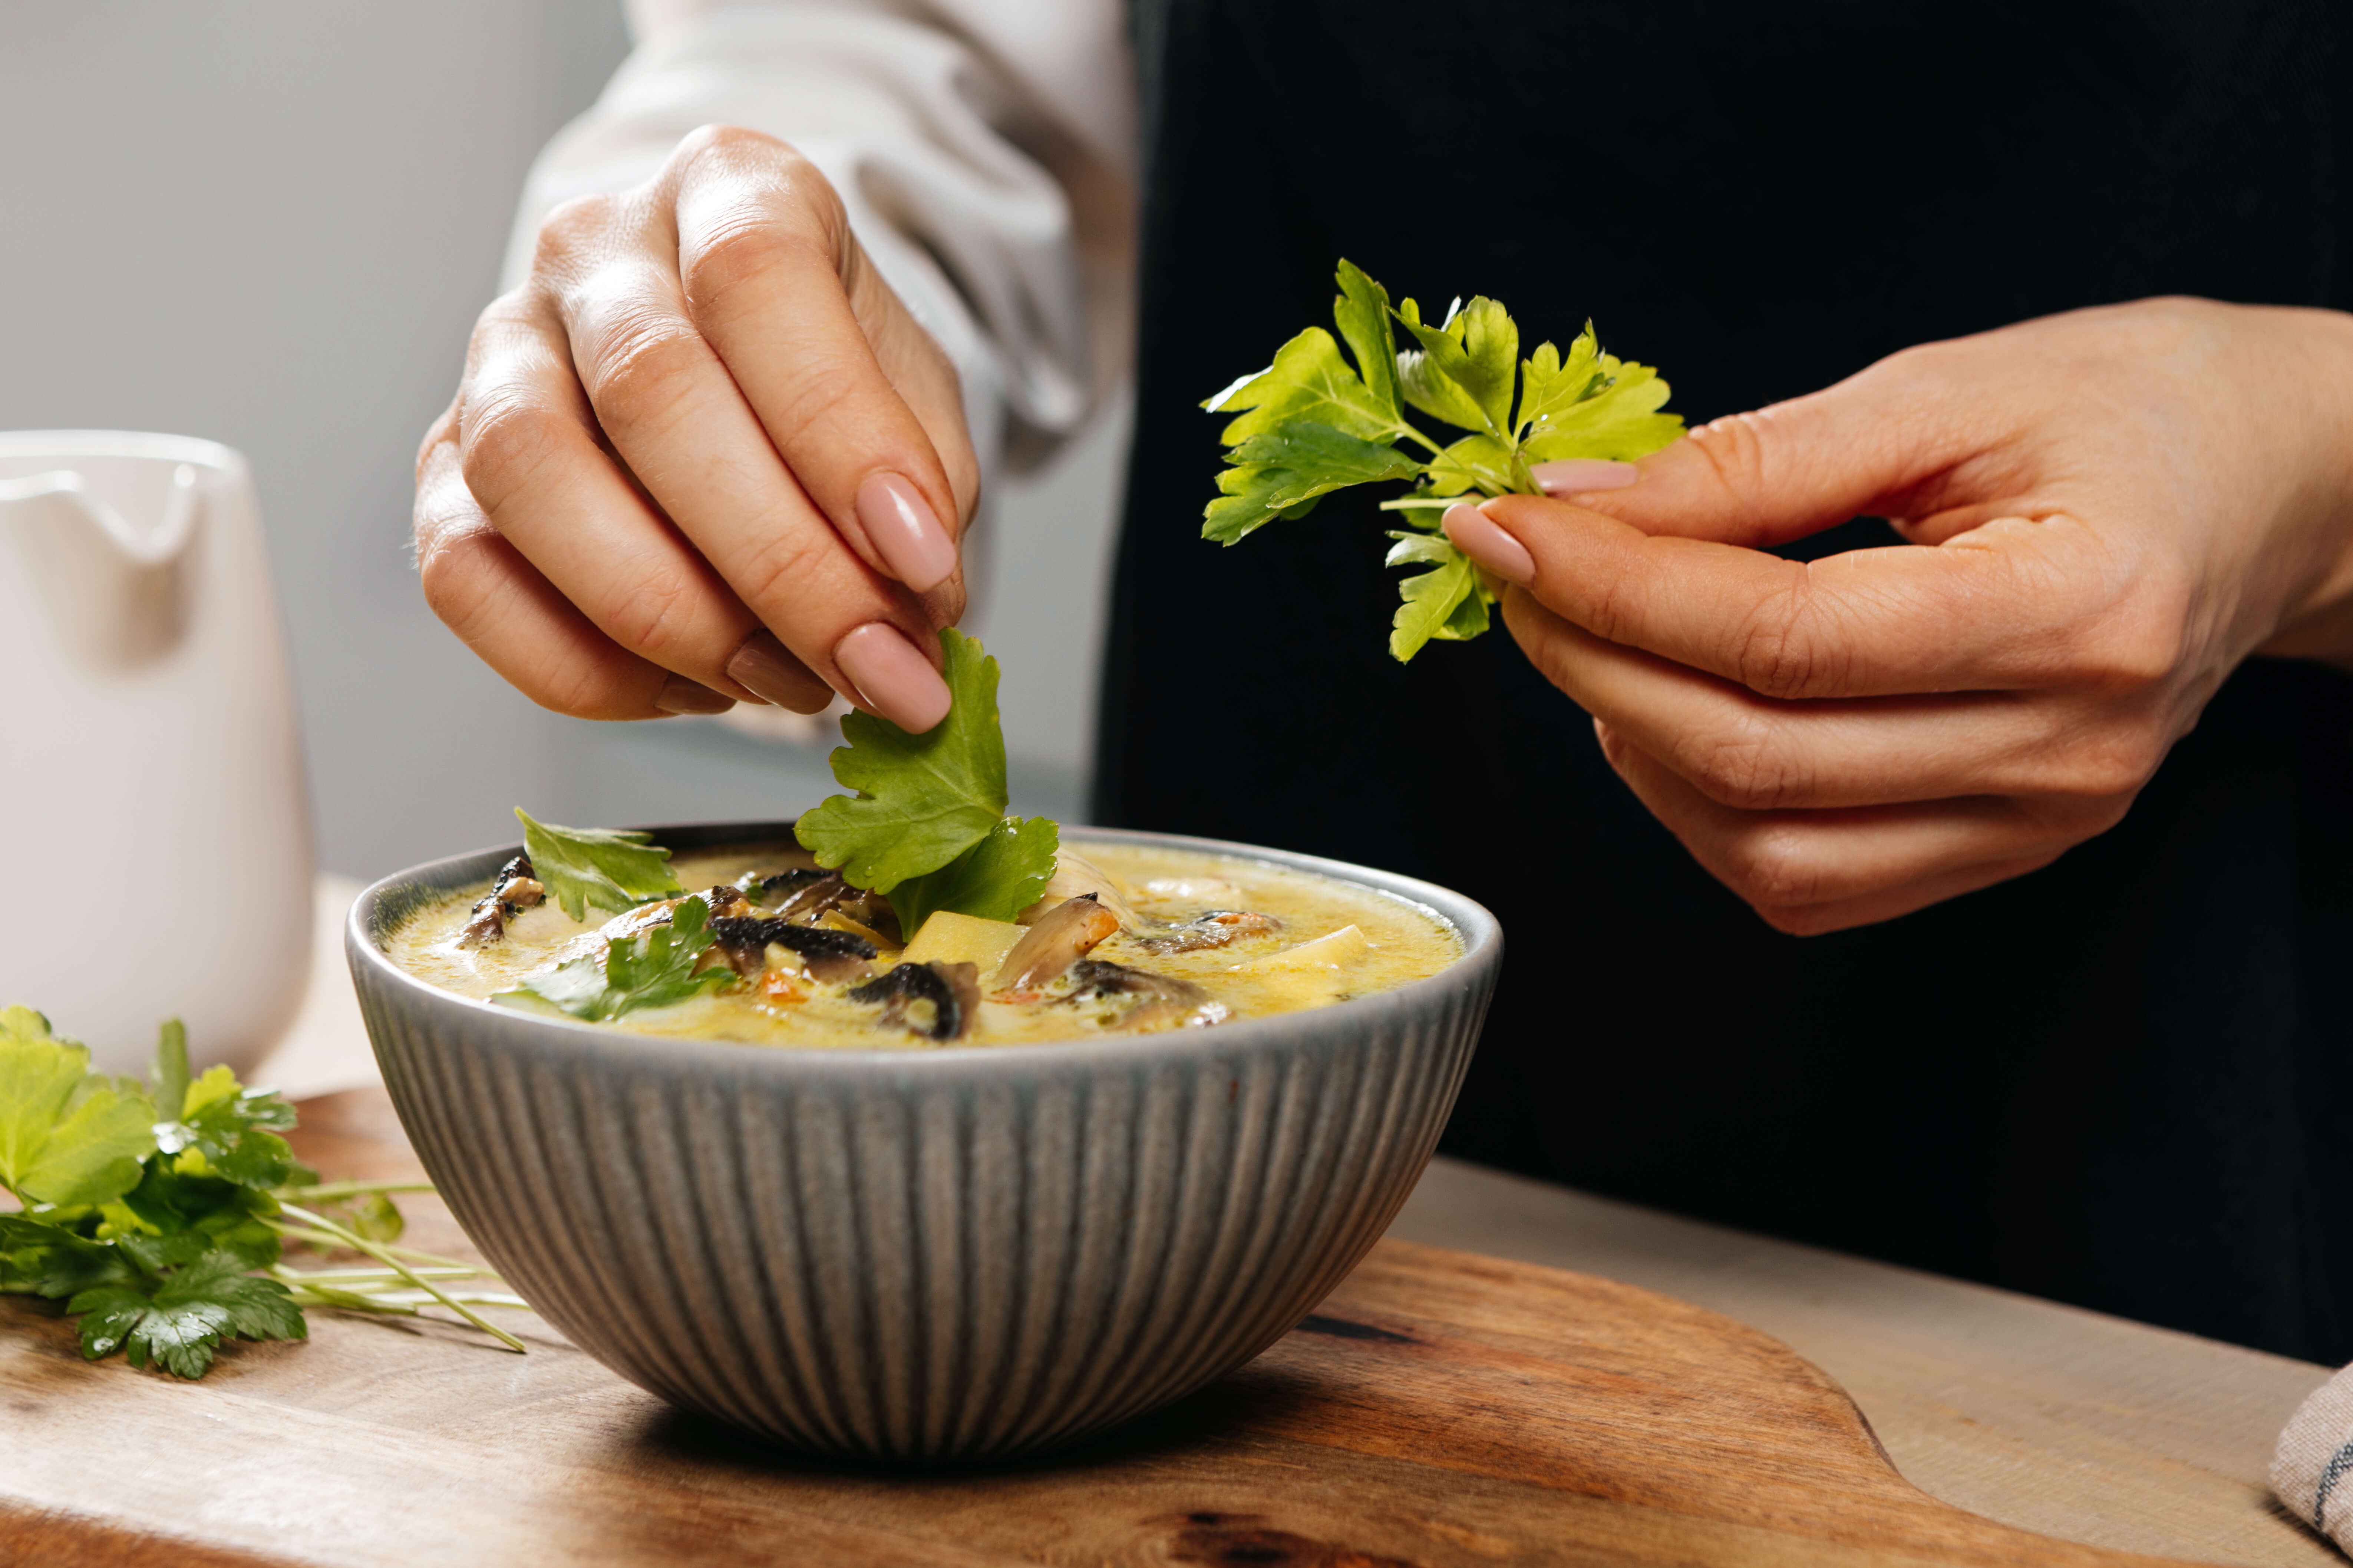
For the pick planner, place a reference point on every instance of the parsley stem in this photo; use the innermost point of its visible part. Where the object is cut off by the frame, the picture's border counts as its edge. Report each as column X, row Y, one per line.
column 1411, row 434
column 383, row 1255
column 329, row 1191
column 349, row 1276
column 323, row 1237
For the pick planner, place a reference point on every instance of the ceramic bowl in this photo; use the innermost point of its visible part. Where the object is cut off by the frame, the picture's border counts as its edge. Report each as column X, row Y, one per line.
column 956, row 1253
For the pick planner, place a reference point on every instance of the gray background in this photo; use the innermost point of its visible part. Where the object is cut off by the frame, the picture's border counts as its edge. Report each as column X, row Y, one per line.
column 272, row 223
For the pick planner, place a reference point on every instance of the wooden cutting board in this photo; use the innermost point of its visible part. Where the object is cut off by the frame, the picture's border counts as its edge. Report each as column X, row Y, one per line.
column 1439, row 1410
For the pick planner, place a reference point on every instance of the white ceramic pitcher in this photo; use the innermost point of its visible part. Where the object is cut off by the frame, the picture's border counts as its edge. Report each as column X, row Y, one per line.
column 157, row 858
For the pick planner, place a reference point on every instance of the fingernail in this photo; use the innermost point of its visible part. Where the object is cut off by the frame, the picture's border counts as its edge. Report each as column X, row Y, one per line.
column 896, row 680
column 680, row 695
column 903, row 529
column 1574, row 476
column 768, row 669
column 1480, row 537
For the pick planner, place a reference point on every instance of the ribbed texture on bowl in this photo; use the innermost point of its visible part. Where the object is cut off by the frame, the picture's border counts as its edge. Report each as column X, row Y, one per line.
column 966, row 1254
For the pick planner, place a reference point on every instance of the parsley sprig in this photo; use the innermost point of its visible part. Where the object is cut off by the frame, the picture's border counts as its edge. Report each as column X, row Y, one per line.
column 926, row 826
column 653, row 968
column 1310, row 424
column 158, row 1211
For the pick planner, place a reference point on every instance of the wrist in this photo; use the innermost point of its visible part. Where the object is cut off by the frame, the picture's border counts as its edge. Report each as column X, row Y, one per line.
column 2318, row 621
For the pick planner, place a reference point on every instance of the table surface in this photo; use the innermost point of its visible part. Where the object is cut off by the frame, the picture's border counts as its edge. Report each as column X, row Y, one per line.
column 2067, row 1423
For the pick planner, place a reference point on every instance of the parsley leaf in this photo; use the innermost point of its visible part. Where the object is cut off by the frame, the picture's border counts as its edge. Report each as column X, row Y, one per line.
column 1449, row 603
column 1280, row 472
column 176, row 1320
column 994, row 879
column 654, row 968
column 583, row 865
column 927, row 827
column 922, row 800
column 1310, row 424
column 69, row 1137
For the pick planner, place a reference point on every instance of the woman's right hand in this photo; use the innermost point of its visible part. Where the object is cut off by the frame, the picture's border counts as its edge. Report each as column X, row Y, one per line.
column 703, row 455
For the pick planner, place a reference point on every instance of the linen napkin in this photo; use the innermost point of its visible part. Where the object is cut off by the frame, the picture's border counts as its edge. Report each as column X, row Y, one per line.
column 2312, row 1469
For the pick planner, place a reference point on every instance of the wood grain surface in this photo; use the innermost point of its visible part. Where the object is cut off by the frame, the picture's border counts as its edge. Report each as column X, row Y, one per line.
column 1439, row 1409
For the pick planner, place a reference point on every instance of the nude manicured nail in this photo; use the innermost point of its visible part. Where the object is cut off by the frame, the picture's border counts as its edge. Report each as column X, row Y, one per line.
column 1575, row 476
column 903, row 529
column 680, row 695
column 767, row 669
column 896, row 679
column 1481, row 538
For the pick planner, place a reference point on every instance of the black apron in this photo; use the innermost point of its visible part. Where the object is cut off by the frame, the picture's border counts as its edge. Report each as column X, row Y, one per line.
column 2124, row 1081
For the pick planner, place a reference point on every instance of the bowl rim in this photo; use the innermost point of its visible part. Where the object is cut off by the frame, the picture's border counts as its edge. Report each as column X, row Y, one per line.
column 1481, row 934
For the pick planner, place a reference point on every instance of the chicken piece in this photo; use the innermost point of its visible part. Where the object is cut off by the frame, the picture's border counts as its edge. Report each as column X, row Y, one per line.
column 1213, row 928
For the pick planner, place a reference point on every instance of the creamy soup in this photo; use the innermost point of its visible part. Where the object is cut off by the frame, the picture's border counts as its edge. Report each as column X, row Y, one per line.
column 1127, row 940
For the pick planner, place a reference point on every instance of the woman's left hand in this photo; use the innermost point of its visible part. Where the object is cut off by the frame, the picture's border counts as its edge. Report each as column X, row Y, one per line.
column 2107, row 510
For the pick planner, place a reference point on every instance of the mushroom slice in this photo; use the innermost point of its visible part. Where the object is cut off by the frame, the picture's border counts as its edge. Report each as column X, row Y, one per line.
column 1214, row 928
column 938, row 1001
column 807, row 898
column 1149, row 1001
column 832, row 955
column 515, row 890
column 1063, row 935
column 782, row 886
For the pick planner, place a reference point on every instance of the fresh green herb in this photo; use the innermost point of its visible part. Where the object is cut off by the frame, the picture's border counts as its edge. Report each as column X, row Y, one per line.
column 157, row 1212
column 1310, row 423
column 69, row 1137
column 994, row 879
column 927, row 826
column 654, row 968
column 584, row 865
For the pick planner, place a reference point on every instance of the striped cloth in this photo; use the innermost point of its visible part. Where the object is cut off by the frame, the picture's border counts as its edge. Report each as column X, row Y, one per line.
column 2312, row 1469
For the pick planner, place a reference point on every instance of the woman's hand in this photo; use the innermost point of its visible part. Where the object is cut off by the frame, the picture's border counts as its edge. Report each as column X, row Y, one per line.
column 702, row 456
column 2108, row 510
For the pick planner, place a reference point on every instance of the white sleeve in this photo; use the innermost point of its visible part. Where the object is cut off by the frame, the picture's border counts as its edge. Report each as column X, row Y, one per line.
column 984, row 150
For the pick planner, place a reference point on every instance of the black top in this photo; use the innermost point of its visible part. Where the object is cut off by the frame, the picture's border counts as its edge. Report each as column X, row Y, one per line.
column 2126, row 1080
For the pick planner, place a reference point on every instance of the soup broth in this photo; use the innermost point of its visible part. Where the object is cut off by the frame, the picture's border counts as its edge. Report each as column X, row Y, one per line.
column 1127, row 940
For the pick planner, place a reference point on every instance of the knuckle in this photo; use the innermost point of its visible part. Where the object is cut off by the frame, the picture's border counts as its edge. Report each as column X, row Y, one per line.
column 640, row 362
column 743, row 243
column 651, row 615
column 574, row 228
column 1781, row 649
column 1772, row 870
column 2111, row 765
column 1749, row 769
column 782, row 572
column 2131, row 650
column 585, row 689
column 717, row 142
column 503, row 440
column 450, row 571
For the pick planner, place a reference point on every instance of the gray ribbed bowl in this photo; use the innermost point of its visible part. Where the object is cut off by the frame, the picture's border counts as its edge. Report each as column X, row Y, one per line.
column 962, row 1253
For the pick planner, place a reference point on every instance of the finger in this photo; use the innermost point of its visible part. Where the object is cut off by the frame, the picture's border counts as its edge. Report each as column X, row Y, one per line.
column 2014, row 604
column 1893, row 440
column 1760, row 753
column 778, row 286
column 1821, row 870
column 517, row 622
column 533, row 462
column 677, row 420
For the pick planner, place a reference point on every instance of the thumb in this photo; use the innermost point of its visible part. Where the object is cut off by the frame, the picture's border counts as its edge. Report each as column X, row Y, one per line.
column 1874, row 444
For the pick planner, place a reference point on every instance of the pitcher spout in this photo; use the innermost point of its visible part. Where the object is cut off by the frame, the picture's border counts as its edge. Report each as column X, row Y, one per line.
column 115, row 587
